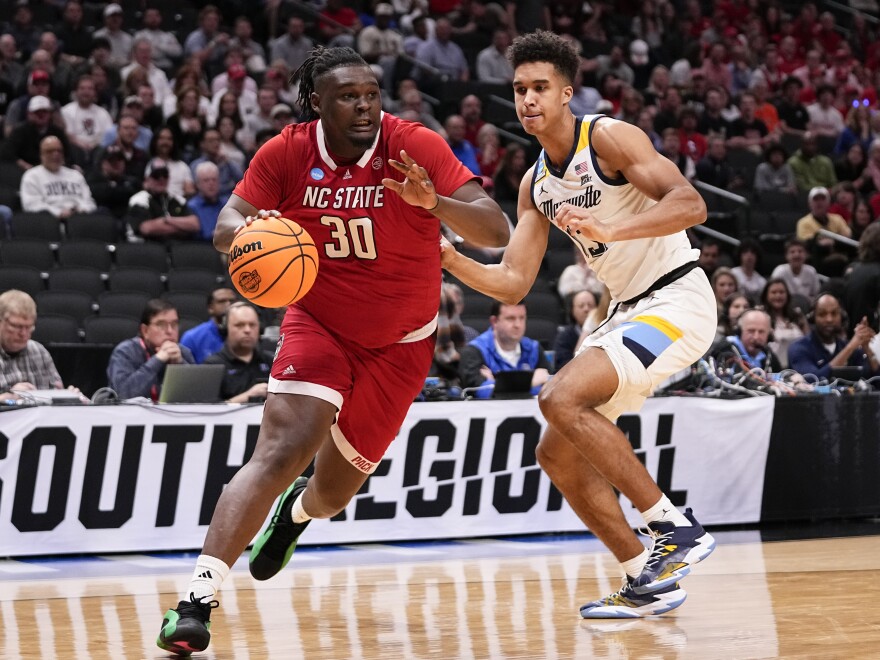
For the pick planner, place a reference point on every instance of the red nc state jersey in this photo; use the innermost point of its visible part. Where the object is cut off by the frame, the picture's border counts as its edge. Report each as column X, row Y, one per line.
column 379, row 271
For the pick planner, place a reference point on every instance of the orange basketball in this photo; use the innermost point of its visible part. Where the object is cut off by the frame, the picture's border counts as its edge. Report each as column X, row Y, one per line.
column 273, row 262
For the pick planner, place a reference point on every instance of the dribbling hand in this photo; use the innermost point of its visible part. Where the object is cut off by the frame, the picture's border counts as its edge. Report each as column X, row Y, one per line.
column 262, row 214
column 416, row 189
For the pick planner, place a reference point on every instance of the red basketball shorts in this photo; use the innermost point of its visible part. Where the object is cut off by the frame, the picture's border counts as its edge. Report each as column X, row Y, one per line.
column 371, row 388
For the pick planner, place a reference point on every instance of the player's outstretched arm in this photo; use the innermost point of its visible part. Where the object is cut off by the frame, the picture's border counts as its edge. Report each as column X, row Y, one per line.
column 625, row 149
column 469, row 212
column 510, row 280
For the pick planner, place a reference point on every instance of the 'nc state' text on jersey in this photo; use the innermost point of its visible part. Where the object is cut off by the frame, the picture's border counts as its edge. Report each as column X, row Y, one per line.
column 589, row 198
column 350, row 197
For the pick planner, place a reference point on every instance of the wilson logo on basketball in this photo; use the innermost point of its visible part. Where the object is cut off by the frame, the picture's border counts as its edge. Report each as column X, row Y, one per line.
column 249, row 281
column 238, row 251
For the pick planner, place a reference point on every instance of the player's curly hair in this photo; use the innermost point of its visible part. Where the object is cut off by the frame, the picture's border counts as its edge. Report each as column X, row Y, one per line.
column 320, row 62
column 543, row 46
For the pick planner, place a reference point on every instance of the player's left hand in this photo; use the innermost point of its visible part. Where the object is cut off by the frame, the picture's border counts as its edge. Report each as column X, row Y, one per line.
column 576, row 220
column 447, row 252
column 262, row 214
column 416, row 189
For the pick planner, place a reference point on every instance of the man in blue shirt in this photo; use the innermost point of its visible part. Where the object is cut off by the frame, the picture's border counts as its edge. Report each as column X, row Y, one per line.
column 208, row 202
column 503, row 347
column 205, row 338
column 466, row 152
column 825, row 347
column 230, row 173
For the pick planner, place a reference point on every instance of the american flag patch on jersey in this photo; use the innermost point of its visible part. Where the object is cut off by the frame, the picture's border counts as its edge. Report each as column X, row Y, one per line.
column 581, row 168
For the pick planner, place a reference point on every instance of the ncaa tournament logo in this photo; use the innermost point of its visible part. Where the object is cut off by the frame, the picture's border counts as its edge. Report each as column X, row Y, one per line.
column 316, row 173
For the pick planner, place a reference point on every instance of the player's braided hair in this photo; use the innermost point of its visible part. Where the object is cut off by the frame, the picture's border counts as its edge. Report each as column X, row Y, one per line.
column 543, row 46
column 321, row 61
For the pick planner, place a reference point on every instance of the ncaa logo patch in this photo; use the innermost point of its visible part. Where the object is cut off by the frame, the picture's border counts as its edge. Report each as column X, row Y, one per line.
column 316, row 173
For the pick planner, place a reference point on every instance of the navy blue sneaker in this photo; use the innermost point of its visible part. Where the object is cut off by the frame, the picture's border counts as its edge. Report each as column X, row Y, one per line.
column 627, row 604
column 273, row 548
column 674, row 551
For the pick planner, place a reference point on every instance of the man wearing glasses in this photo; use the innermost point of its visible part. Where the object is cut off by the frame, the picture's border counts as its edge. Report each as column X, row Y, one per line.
column 24, row 363
column 137, row 365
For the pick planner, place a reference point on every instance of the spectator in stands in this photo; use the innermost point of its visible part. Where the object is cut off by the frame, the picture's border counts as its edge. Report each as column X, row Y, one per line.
column 253, row 53
column 52, row 187
column 710, row 254
column 22, row 28
column 631, row 105
column 584, row 99
column 800, row 278
column 863, row 217
column 441, row 53
column 748, row 347
column 164, row 146
column 137, row 365
column 577, row 276
column 503, row 347
column 843, row 197
column 775, row 174
column 658, row 83
column 38, row 84
column 23, row 145
column 24, row 363
column 48, row 58
column 741, row 70
column 235, row 94
column 207, row 42
column 380, row 44
column 342, row 25
column 104, row 93
column 510, row 172
column 808, row 227
column 132, row 108
column 827, row 345
column 208, row 203
column 692, row 143
column 465, row 152
column 234, row 60
column 155, row 214
column 825, row 119
column 578, row 305
column 862, row 289
column 714, row 169
column 411, row 103
column 120, row 40
column 857, row 130
column 712, row 120
column 872, row 168
column 728, row 317
column 11, row 71
column 715, row 66
column 230, row 173
column 645, row 121
column 188, row 123
column 86, row 121
column 230, row 147
column 267, row 98
column 247, row 366
column 492, row 63
column 282, row 115
column 73, row 33
column 811, row 169
column 764, row 110
column 142, row 57
column 670, row 106
column 614, row 62
column 471, row 109
column 293, row 47
column 206, row 338
column 748, row 132
column 672, row 150
column 166, row 48
column 450, row 336
column 793, row 115
column 723, row 284
column 748, row 279
column 851, row 167
column 111, row 187
column 640, row 63
column 489, row 150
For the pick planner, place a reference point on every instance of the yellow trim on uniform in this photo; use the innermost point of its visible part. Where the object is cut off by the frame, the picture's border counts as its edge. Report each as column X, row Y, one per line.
column 660, row 324
column 584, row 137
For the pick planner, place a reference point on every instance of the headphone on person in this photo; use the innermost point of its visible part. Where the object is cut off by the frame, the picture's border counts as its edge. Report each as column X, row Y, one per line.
column 224, row 322
column 737, row 330
column 811, row 315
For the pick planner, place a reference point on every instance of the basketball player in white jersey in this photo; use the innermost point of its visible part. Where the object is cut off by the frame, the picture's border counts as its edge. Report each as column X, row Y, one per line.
column 626, row 207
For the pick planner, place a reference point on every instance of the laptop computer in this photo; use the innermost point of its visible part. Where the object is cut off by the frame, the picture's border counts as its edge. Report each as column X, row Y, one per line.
column 513, row 384
column 192, row 383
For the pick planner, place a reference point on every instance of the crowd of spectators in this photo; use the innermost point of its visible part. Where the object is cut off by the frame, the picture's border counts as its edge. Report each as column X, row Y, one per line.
column 151, row 116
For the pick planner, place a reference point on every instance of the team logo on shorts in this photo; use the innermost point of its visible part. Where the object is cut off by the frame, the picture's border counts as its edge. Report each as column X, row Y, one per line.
column 316, row 173
column 278, row 346
column 249, row 281
column 377, row 163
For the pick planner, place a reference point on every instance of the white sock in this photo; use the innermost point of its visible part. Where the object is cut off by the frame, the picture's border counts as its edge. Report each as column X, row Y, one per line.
column 633, row 567
column 664, row 510
column 209, row 574
column 297, row 513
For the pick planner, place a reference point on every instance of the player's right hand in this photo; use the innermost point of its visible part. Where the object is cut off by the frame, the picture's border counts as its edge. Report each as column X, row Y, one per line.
column 447, row 252
column 262, row 214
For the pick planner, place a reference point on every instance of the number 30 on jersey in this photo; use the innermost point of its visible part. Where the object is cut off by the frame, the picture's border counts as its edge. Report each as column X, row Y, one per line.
column 351, row 236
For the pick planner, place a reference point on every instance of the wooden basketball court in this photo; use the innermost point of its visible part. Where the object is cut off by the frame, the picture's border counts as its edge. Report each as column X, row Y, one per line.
column 467, row 599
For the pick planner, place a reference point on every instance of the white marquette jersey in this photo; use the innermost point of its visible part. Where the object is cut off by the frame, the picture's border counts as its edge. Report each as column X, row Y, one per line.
column 628, row 268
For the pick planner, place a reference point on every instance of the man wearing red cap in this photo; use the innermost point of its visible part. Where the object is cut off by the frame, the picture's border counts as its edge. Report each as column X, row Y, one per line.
column 23, row 145
column 38, row 84
column 235, row 84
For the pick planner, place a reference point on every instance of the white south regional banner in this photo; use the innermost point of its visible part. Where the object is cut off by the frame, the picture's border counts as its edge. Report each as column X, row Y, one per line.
column 136, row 479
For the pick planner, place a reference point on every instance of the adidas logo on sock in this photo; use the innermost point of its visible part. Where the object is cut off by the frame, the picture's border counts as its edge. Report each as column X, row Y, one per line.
column 206, row 575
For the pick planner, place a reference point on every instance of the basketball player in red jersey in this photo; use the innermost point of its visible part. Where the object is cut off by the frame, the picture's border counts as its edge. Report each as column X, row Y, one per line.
column 354, row 353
